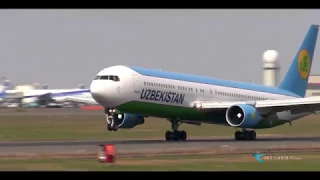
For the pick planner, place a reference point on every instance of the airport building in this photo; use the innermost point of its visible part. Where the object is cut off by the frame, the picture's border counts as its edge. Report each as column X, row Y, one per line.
column 313, row 86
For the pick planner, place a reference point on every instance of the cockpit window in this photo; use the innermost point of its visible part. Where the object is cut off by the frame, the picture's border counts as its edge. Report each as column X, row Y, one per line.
column 112, row 78
column 104, row 77
column 109, row 77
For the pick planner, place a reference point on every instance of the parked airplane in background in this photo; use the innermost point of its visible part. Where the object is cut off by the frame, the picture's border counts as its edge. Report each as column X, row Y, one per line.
column 3, row 90
column 131, row 93
column 44, row 97
column 47, row 97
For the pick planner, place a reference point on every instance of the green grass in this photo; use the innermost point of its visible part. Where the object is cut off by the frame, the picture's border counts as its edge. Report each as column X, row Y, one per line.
column 308, row 162
column 94, row 127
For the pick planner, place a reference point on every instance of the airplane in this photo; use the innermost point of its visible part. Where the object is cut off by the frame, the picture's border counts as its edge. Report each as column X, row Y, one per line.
column 129, row 94
column 3, row 90
column 46, row 97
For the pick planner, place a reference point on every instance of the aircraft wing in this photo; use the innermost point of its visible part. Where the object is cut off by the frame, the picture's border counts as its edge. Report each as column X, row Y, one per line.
column 81, row 100
column 296, row 105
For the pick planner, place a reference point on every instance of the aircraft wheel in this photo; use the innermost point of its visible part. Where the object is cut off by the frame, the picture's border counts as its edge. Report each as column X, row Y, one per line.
column 252, row 135
column 168, row 136
column 109, row 127
column 237, row 135
column 247, row 135
column 115, row 127
column 176, row 135
column 183, row 135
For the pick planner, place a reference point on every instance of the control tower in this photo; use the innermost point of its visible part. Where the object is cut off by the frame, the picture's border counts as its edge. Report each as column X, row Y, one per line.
column 271, row 68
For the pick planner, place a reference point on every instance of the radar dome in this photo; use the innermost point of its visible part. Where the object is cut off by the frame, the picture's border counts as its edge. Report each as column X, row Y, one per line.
column 270, row 56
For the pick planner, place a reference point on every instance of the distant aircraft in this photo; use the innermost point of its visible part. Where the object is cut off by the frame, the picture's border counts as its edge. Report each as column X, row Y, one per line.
column 129, row 94
column 43, row 97
column 3, row 90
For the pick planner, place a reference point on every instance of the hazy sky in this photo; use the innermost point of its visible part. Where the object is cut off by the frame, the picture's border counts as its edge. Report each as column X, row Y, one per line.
column 64, row 48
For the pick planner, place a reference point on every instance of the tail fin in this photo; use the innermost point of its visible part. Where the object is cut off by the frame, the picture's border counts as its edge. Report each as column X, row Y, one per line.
column 4, row 87
column 296, row 79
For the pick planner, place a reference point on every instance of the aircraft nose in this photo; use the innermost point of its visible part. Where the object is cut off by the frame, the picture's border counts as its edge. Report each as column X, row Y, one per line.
column 97, row 90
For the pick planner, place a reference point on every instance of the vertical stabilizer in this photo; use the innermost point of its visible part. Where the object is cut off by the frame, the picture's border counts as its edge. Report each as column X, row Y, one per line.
column 296, row 79
column 4, row 87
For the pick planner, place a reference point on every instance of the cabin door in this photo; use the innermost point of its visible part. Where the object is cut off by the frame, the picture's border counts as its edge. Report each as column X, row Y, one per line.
column 136, row 83
column 213, row 93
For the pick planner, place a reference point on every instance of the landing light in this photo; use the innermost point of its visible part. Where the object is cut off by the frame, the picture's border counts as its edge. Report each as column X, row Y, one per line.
column 198, row 105
column 119, row 116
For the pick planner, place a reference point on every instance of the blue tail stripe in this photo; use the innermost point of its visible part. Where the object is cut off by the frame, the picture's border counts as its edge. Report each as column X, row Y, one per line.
column 211, row 81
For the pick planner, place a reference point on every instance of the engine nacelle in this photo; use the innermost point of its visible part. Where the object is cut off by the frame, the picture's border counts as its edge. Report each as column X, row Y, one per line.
column 127, row 121
column 243, row 115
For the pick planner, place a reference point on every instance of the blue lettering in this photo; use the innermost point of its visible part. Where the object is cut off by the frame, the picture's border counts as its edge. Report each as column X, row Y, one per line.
column 143, row 94
column 176, row 99
column 168, row 97
column 153, row 93
column 156, row 95
column 162, row 96
column 181, row 98
column 148, row 94
column 172, row 98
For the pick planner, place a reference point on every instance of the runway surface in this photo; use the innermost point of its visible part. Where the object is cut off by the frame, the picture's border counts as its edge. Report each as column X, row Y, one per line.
column 142, row 146
column 149, row 146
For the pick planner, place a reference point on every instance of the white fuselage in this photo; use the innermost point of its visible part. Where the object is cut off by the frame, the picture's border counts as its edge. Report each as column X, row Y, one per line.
column 132, row 85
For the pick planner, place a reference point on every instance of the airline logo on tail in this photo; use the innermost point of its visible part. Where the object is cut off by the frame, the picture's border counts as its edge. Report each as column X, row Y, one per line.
column 304, row 63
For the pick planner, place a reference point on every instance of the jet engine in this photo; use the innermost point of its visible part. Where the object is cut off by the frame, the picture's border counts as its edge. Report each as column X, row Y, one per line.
column 242, row 115
column 127, row 121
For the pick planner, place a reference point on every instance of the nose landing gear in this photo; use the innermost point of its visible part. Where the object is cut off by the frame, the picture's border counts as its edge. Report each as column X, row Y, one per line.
column 111, row 118
column 175, row 135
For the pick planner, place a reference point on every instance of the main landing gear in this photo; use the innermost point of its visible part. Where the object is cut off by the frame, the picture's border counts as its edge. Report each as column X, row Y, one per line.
column 175, row 135
column 245, row 135
column 111, row 118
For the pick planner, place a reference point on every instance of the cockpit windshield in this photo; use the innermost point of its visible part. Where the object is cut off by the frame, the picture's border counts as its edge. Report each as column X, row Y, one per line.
column 108, row 77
